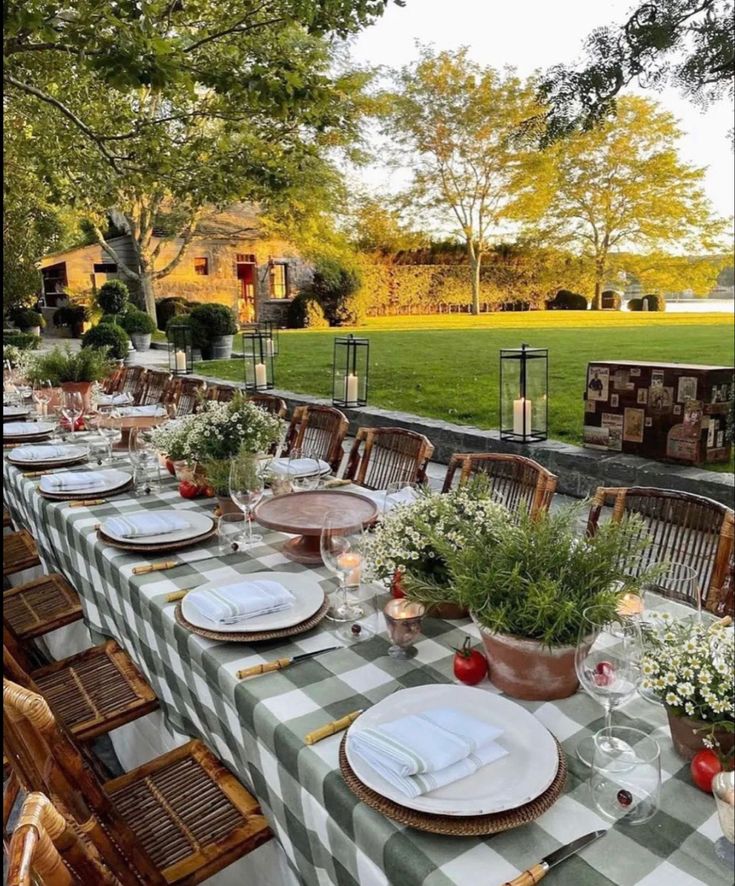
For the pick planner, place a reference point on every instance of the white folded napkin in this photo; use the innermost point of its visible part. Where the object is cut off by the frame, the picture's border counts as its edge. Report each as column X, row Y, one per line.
column 68, row 480
column 24, row 429
column 298, row 467
column 421, row 752
column 388, row 502
column 241, row 601
column 43, row 453
column 114, row 399
column 153, row 409
column 144, row 524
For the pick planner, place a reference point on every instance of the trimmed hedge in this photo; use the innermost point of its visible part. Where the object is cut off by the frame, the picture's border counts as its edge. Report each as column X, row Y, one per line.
column 173, row 306
column 208, row 322
column 305, row 312
column 606, row 296
column 565, row 300
column 26, row 318
column 24, row 341
column 656, row 301
column 136, row 322
column 635, row 304
column 108, row 335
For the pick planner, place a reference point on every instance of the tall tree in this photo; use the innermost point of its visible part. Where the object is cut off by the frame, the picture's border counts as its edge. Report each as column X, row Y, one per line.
column 622, row 186
column 455, row 124
column 175, row 107
column 688, row 43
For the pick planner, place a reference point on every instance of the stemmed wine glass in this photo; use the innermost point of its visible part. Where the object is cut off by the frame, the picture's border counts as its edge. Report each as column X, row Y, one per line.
column 608, row 664
column 341, row 546
column 42, row 393
column 144, row 458
column 304, row 472
column 247, row 486
column 72, row 408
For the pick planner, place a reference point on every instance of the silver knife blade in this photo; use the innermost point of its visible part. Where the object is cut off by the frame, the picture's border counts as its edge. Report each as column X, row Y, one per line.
column 561, row 854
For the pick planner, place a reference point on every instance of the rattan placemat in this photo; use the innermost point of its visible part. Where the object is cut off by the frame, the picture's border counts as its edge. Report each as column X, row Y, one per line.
column 455, row 825
column 87, row 494
column 159, row 548
column 254, row 636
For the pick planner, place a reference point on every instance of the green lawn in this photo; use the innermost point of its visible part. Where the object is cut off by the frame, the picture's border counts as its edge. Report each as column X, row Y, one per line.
column 447, row 367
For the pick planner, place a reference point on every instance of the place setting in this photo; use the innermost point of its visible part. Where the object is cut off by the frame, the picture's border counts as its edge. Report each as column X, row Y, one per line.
column 47, row 456
column 15, row 413
column 27, row 431
column 152, row 532
column 80, row 485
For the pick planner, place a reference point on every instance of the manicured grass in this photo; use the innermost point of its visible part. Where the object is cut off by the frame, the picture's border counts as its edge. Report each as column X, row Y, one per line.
column 448, row 367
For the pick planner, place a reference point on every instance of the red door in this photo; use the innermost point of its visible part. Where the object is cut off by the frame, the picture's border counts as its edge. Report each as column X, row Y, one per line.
column 246, row 276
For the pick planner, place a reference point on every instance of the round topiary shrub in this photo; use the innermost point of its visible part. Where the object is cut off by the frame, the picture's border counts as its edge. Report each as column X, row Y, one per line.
column 565, row 300
column 110, row 336
column 333, row 286
column 172, row 306
column 305, row 312
column 26, row 318
column 635, row 304
column 655, row 301
column 209, row 322
column 608, row 300
column 113, row 297
column 136, row 322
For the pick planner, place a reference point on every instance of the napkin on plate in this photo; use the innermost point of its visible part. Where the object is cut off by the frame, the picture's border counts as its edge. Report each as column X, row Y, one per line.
column 421, row 752
column 144, row 524
column 387, row 502
column 243, row 600
column 298, row 467
column 24, row 429
column 153, row 409
column 114, row 399
column 69, row 480
column 42, row 453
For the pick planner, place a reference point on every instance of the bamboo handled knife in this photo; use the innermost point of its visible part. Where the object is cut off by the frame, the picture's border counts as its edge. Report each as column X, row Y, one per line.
column 540, row 870
column 331, row 728
column 280, row 663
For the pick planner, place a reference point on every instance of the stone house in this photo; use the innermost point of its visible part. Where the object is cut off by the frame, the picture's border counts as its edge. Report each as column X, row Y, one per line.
column 230, row 261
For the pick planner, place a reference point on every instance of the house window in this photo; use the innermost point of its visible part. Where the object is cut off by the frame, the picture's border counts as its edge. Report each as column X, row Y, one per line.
column 201, row 266
column 279, row 280
column 105, row 267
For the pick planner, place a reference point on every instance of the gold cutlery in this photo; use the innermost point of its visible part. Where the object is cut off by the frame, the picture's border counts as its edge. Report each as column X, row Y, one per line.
column 280, row 663
column 331, row 728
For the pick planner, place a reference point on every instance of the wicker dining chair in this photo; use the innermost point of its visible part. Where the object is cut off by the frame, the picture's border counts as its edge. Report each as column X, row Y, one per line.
column 270, row 403
column 320, row 430
column 516, row 481
column 112, row 383
column 46, row 850
column 682, row 528
column 132, row 383
column 187, row 394
column 175, row 820
column 39, row 606
column 381, row 456
column 154, row 387
column 220, row 393
column 19, row 552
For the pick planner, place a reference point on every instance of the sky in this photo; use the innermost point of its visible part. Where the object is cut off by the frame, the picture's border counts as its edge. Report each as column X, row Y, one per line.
column 532, row 34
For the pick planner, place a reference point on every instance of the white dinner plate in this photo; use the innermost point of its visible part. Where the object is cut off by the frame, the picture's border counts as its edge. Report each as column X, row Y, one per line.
column 114, row 480
column 153, row 411
column 74, row 453
column 522, row 775
column 23, row 429
column 11, row 412
column 280, row 466
column 309, row 599
column 199, row 524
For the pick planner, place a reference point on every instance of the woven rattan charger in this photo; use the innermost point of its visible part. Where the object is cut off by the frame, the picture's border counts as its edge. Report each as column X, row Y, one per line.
column 160, row 547
column 455, row 825
column 254, row 636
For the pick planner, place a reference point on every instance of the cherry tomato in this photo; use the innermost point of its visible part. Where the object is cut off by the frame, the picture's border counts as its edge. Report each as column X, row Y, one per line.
column 604, row 673
column 187, row 489
column 78, row 424
column 704, row 767
column 470, row 666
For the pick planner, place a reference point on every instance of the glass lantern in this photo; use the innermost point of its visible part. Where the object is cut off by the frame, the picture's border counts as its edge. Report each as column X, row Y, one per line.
column 524, row 394
column 269, row 329
column 257, row 355
column 179, row 349
column 350, row 372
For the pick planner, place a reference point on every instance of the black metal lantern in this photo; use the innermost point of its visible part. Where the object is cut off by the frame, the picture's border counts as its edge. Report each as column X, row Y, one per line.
column 179, row 349
column 257, row 355
column 350, row 371
column 524, row 394
column 269, row 329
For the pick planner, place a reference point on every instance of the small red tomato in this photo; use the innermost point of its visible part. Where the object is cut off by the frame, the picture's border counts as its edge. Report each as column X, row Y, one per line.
column 207, row 491
column 604, row 673
column 470, row 666
column 187, row 489
column 704, row 767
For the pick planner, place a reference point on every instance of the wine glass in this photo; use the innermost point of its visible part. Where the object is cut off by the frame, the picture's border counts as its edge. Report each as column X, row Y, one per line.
column 626, row 774
column 304, row 471
column 247, row 486
column 144, row 458
column 341, row 546
column 107, row 423
column 42, row 393
column 608, row 664
column 400, row 492
column 72, row 408
column 680, row 584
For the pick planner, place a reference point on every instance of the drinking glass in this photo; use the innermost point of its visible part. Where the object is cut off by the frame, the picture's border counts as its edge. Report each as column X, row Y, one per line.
column 400, row 492
column 247, row 485
column 106, row 421
column 144, row 458
column 341, row 547
column 403, row 619
column 230, row 533
column 723, row 787
column 72, row 408
column 626, row 774
column 608, row 664
column 304, row 472
column 42, row 393
column 680, row 584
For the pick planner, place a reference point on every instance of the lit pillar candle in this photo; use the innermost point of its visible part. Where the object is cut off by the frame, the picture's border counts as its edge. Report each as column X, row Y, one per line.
column 351, row 383
column 630, row 604
column 261, row 377
column 519, row 407
column 180, row 361
column 351, row 563
column 269, row 347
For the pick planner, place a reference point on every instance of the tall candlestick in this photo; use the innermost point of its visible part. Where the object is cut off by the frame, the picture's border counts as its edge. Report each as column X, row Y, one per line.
column 351, row 388
column 520, row 407
column 261, row 377
column 351, row 563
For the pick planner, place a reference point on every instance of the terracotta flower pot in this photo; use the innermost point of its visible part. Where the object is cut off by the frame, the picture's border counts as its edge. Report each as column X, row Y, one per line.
column 687, row 738
column 227, row 505
column 528, row 670
column 437, row 610
column 79, row 387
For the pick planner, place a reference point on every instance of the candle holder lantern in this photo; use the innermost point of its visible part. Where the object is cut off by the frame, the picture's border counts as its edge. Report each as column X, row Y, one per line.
column 257, row 355
column 269, row 329
column 350, row 372
column 524, row 394
column 180, row 360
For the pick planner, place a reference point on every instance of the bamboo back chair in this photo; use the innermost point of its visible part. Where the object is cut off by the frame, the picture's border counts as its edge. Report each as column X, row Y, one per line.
column 155, row 386
column 320, row 430
column 39, row 606
column 148, row 825
column 722, row 598
column 381, row 456
column 111, row 384
column 132, row 382
column 220, row 393
column 270, row 403
column 187, row 394
column 516, row 481
column 683, row 528
column 19, row 552
column 45, row 850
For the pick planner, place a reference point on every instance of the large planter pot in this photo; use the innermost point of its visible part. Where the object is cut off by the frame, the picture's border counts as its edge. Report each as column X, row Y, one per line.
column 227, row 505
column 221, row 347
column 79, row 387
column 141, row 341
column 687, row 738
column 528, row 670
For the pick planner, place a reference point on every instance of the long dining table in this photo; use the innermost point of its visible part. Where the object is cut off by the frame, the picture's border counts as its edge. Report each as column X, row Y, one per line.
column 257, row 726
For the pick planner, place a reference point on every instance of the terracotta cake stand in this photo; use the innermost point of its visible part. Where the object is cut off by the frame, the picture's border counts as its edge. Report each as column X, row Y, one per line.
column 302, row 514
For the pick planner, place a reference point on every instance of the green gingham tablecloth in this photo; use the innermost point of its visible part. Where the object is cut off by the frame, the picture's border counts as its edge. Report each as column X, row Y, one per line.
column 257, row 726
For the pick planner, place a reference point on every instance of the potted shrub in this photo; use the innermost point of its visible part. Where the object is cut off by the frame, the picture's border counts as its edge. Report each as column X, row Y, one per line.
column 689, row 666
column 113, row 297
column 213, row 328
column 70, row 371
column 139, row 326
column 108, row 336
column 526, row 584
column 75, row 317
column 28, row 320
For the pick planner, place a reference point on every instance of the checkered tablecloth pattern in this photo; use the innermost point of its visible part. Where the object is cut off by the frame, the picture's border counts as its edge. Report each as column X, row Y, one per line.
column 257, row 726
